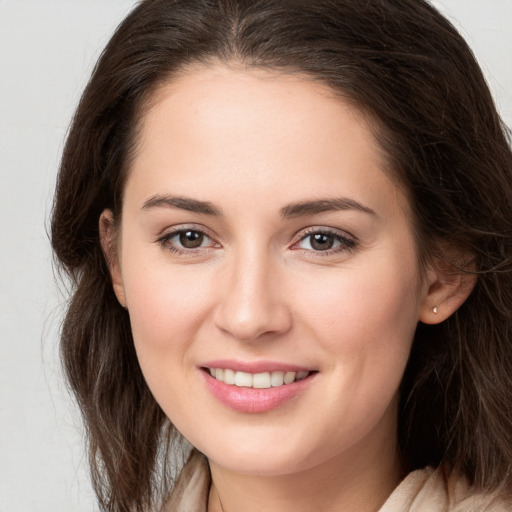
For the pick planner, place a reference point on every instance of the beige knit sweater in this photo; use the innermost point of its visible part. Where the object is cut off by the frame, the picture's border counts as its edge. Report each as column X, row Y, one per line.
column 426, row 490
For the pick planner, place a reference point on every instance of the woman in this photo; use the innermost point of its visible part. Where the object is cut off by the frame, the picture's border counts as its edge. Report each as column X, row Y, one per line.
column 288, row 225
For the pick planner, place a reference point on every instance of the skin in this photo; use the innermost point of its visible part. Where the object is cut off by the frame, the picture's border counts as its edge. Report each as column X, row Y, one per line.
column 251, row 143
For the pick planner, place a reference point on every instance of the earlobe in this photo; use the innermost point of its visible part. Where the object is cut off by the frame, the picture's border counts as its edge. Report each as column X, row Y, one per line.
column 448, row 290
column 108, row 241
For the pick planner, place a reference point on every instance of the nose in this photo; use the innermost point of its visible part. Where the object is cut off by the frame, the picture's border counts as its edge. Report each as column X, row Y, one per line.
column 252, row 303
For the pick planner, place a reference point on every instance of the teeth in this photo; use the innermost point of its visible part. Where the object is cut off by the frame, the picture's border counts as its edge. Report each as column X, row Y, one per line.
column 242, row 379
column 257, row 380
column 261, row 380
column 229, row 377
column 289, row 377
column 277, row 379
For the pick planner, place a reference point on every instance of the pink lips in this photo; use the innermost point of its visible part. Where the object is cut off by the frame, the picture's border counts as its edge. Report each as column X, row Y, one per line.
column 251, row 400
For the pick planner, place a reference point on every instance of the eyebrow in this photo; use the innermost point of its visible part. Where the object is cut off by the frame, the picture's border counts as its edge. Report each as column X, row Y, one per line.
column 292, row 210
column 182, row 203
column 324, row 205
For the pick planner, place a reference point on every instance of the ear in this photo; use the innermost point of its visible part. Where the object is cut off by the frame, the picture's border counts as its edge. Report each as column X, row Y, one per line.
column 448, row 288
column 109, row 244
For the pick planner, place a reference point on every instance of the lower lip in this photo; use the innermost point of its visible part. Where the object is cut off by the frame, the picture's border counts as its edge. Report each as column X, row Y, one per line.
column 254, row 400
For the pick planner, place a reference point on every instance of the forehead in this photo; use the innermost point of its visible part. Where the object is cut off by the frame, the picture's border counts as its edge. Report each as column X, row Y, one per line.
column 249, row 102
column 254, row 128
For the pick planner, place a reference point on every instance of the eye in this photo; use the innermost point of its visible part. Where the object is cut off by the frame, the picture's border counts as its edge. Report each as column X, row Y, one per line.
column 190, row 239
column 186, row 240
column 319, row 242
column 324, row 241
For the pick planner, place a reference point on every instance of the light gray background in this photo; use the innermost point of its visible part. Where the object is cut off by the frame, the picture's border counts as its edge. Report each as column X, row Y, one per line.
column 47, row 49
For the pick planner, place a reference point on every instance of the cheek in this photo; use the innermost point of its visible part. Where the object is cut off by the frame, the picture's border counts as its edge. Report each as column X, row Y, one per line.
column 365, row 318
column 364, row 323
column 363, row 300
column 167, row 302
column 166, row 313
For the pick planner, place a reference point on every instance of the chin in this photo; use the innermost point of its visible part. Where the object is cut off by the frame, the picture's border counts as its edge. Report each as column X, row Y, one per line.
column 265, row 459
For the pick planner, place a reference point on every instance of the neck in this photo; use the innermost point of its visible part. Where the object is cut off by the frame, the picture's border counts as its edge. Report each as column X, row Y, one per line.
column 350, row 481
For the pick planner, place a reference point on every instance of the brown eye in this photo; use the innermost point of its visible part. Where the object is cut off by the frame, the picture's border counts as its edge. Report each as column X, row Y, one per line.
column 191, row 239
column 321, row 241
column 325, row 241
column 188, row 241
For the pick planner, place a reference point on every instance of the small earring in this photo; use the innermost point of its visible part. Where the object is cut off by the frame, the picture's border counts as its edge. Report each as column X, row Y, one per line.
column 435, row 310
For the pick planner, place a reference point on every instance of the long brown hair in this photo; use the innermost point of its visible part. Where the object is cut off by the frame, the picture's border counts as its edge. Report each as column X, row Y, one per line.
column 404, row 65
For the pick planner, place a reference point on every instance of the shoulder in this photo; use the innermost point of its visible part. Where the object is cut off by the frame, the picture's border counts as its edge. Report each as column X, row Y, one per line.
column 442, row 490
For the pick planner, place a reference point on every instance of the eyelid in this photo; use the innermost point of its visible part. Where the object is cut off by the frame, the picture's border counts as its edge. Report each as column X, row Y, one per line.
column 177, row 228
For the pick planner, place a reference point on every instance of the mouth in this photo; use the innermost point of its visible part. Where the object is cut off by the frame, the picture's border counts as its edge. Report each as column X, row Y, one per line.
column 261, row 380
column 256, row 387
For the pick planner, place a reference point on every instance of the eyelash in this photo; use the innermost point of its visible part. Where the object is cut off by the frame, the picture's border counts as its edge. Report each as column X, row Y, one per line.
column 346, row 243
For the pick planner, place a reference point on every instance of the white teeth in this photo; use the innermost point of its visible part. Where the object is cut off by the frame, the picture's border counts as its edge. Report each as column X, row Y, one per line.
column 243, row 379
column 229, row 377
column 289, row 377
column 262, row 380
column 277, row 379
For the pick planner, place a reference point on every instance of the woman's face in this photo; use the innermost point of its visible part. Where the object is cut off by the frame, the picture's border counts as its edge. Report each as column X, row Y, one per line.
column 262, row 241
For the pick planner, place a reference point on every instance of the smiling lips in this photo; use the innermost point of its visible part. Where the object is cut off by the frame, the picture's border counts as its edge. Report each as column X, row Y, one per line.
column 255, row 391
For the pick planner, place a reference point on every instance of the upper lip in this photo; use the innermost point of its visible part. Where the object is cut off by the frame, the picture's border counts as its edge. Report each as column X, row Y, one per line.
column 255, row 366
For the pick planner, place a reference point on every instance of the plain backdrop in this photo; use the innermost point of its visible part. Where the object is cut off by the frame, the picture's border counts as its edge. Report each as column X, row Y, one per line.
column 47, row 50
